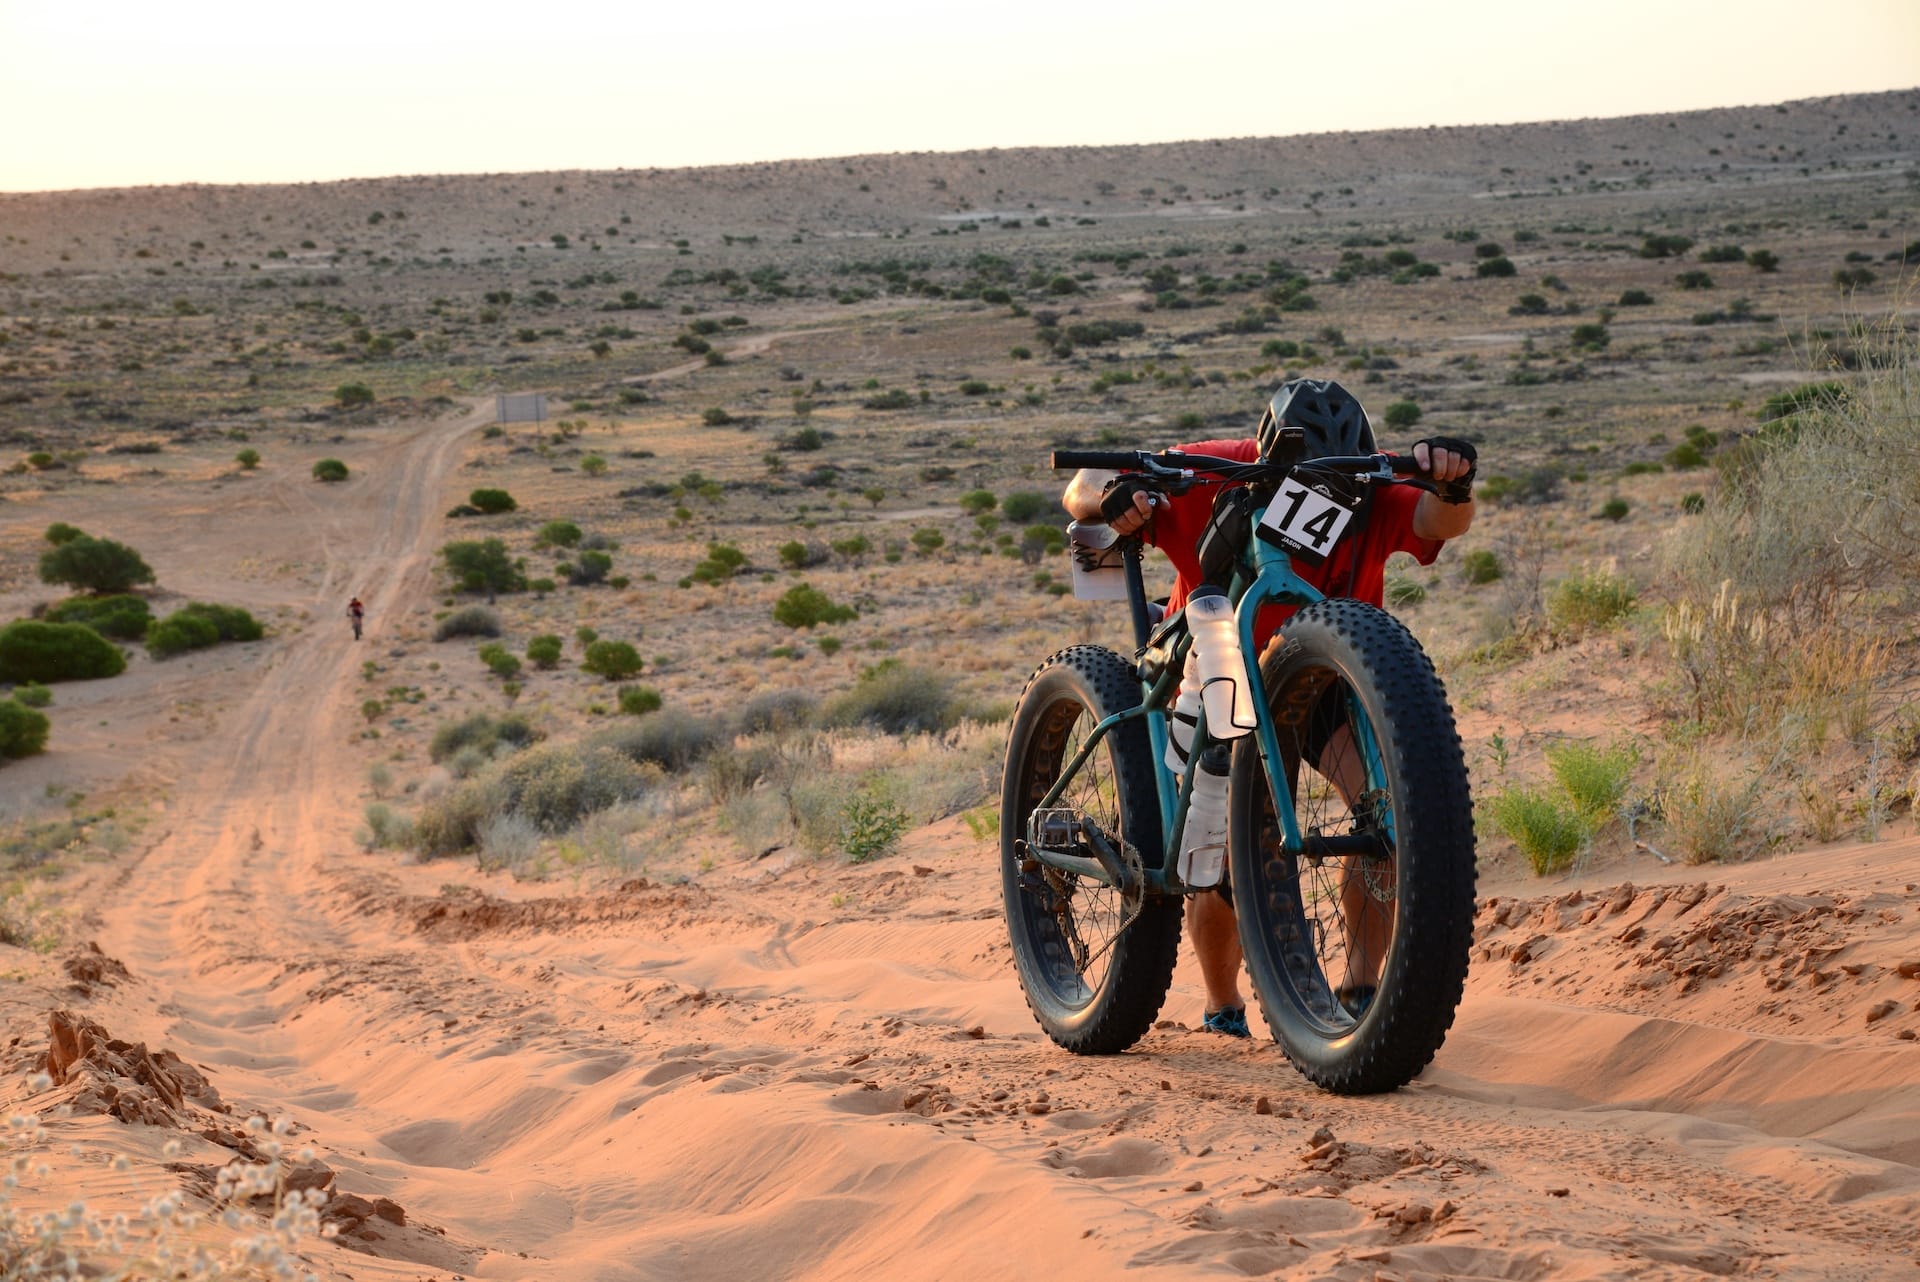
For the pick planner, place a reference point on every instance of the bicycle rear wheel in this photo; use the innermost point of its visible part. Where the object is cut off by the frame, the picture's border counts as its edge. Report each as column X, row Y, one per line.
column 1357, row 945
column 1095, row 963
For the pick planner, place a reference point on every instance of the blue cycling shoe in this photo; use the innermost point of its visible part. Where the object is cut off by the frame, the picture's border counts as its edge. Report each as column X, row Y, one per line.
column 1229, row 1020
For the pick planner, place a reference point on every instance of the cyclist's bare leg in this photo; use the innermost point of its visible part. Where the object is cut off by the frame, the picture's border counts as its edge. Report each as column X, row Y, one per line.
column 1366, row 893
column 1215, row 933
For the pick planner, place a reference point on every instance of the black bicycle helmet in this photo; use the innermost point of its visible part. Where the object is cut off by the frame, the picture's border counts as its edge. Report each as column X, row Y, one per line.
column 1313, row 418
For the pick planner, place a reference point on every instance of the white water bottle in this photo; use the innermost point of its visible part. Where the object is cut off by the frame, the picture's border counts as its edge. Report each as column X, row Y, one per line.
column 1223, row 670
column 1203, row 842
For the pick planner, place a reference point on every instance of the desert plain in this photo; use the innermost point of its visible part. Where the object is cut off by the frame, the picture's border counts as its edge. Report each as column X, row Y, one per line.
column 750, row 1013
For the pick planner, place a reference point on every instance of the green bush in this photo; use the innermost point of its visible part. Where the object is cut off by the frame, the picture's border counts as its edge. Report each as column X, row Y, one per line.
column 248, row 458
column 1024, row 507
column 502, row 662
column 1480, row 566
column 178, row 633
column 1694, row 279
column 544, row 650
column 977, row 502
column 1595, row 778
column 94, row 565
column 60, row 532
column 592, row 567
column 1614, row 509
column 637, row 701
column 614, row 660
column 481, row 731
column 468, row 621
column 793, row 554
column 897, row 699
column 872, row 825
column 1763, row 260
column 492, row 502
column 1501, row 266
column 45, row 652
column 23, row 731
column 33, row 695
column 774, row 710
column 484, row 566
column 1548, row 833
column 805, row 606
column 330, row 470
column 1664, row 246
column 1636, row 298
column 230, row 621
column 557, row 534
column 1401, row 590
column 122, row 617
column 353, row 394
column 1402, row 414
column 1587, row 601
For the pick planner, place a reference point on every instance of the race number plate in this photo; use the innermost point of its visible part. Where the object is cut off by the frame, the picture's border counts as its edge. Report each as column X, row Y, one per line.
column 1309, row 522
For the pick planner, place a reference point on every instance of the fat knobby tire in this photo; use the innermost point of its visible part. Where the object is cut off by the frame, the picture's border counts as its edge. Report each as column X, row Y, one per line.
column 1425, row 773
column 1118, row 1009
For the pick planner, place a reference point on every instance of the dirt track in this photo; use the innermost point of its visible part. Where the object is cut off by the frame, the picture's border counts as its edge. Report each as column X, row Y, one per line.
column 725, row 1079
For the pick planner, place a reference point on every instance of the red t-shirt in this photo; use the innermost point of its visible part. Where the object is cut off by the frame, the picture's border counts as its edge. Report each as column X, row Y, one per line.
column 1357, row 568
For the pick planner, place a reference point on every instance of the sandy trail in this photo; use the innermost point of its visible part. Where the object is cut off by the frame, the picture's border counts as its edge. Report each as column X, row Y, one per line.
column 811, row 1071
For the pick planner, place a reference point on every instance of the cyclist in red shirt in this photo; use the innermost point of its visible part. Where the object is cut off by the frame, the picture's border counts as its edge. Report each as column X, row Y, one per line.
column 1317, row 418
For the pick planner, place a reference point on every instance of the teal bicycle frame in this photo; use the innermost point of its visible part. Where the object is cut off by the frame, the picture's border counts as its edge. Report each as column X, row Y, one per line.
column 1273, row 581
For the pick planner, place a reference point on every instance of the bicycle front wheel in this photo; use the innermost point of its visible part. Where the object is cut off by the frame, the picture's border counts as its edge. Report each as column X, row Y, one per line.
column 1357, row 943
column 1095, row 962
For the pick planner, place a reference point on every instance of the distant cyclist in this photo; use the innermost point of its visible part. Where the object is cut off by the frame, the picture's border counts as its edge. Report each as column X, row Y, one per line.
column 357, row 613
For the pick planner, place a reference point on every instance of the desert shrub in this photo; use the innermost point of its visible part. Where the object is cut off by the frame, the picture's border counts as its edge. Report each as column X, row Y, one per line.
column 1499, row 266
column 33, row 695
column 122, row 617
column 557, row 534
column 1482, row 565
column 593, row 465
column 805, row 606
column 671, row 740
column 468, row 621
column 60, row 532
column 1636, row 298
column 544, row 650
column 1694, row 279
column 1536, row 485
column 386, row 829
column 1614, row 509
column 775, row 710
column 1023, row 507
column 94, row 565
column 350, row 395
column 492, row 502
column 872, row 824
column 1401, row 590
column 722, row 562
column 1548, row 832
column 482, row 732
column 1763, row 260
column 23, row 730
column 897, row 699
column 1710, row 814
column 500, row 661
column 1402, row 414
column 330, row 470
column 1665, row 246
column 1595, row 778
column 637, row 701
column 199, row 625
column 248, row 458
column 178, row 633
column 1723, row 254
column 894, row 398
column 45, row 652
column 483, row 566
column 1853, row 278
column 614, row 660
column 590, row 568
column 1693, row 503
column 976, row 502
column 557, row 785
column 1591, row 336
column 1588, row 601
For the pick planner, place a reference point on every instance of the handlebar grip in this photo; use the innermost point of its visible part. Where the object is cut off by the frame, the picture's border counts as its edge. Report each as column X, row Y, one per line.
column 1403, row 465
column 1105, row 460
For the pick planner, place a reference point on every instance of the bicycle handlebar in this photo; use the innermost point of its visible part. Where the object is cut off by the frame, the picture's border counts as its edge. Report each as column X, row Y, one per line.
column 1174, row 462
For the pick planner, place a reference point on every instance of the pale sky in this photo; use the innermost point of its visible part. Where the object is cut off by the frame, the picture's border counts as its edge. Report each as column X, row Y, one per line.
column 115, row 93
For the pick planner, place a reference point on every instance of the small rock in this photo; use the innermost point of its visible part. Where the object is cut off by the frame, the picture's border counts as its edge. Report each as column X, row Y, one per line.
column 1881, row 1010
column 1909, row 969
column 1321, row 1136
column 1560, row 1192
column 1263, row 1106
column 1194, row 1187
